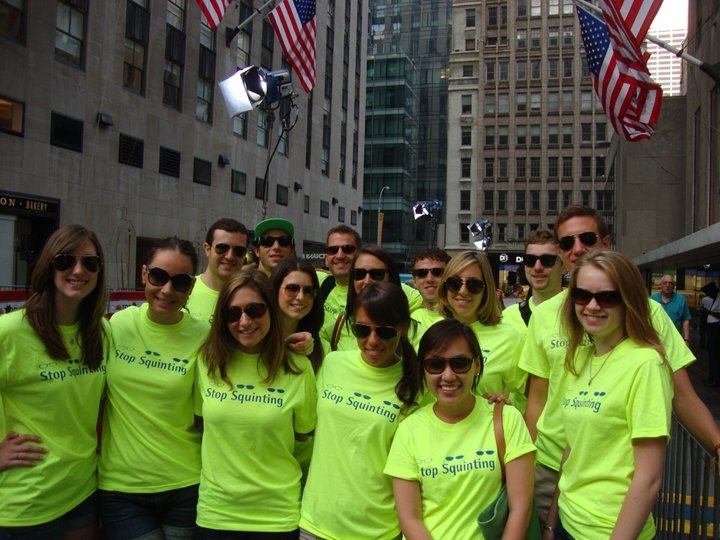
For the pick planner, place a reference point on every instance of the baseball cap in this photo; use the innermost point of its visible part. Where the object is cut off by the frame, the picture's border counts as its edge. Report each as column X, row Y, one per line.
column 272, row 224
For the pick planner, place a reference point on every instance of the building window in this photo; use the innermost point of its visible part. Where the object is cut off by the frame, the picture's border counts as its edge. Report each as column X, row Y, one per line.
column 553, row 36
column 521, row 167
column 553, row 134
column 586, row 132
column 470, row 44
column 353, row 217
column 503, row 71
column 535, row 8
column 281, row 195
column 521, row 135
column 238, row 182
column 490, row 104
column 202, row 171
column 586, row 100
column 465, row 167
column 520, row 232
column 567, row 35
column 259, row 188
column 567, row 133
column 503, row 135
column 567, row 198
column 521, row 39
column 174, row 53
column 466, row 104
column 535, row 167
column 535, row 132
column 489, row 167
column 503, row 167
column 535, row 38
column 137, row 31
column 502, row 201
column 240, row 125
column 465, row 199
column 553, row 167
column 464, row 233
column 503, row 104
column 489, row 204
column 521, row 8
column 466, row 136
column 261, row 135
column 70, row 33
column 171, row 84
column 468, row 70
column 599, row 166
column 604, row 201
column 306, row 204
column 553, row 68
column 535, row 69
column 12, row 20
column 586, row 166
column 66, row 132
column 12, row 116
column 552, row 200
column 521, row 70
column 489, row 136
column 567, row 167
column 535, row 101
column 534, row 201
column 324, row 209
column 492, row 16
column 206, row 73
column 169, row 162
column 341, row 214
column 470, row 18
column 489, row 71
column 600, row 132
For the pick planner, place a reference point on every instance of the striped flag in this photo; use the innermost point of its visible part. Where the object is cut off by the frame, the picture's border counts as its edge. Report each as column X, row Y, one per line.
column 294, row 24
column 629, row 97
column 213, row 10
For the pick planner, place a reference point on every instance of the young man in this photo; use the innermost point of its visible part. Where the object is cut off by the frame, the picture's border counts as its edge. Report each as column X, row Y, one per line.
column 579, row 230
column 544, row 272
column 225, row 248
column 674, row 305
column 274, row 242
column 427, row 270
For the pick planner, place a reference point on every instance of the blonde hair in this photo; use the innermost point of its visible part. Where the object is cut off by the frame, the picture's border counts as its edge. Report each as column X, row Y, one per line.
column 489, row 312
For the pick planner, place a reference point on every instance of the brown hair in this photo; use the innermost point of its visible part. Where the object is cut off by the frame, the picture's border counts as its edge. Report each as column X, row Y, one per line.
column 489, row 312
column 576, row 210
column 40, row 307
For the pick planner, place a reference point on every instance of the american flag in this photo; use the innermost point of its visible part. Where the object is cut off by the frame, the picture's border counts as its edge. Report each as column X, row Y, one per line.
column 629, row 97
column 294, row 23
column 213, row 10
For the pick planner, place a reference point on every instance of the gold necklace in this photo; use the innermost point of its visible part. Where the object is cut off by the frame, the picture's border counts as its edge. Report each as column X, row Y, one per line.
column 612, row 349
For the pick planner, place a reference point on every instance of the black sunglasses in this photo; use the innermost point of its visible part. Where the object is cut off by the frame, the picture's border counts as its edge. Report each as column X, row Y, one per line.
column 587, row 238
column 547, row 261
column 377, row 274
column 238, row 251
column 159, row 277
column 64, row 261
column 474, row 285
column 269, row 241
column 362, row 331
column 604, row 299
column 423, row 272
column 437, row 364
column 292, row 289
column 348, row 249
column 253, row 310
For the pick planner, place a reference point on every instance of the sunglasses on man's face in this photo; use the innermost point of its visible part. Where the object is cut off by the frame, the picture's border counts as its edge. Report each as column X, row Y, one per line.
column 159, row 277
column 437, row 364
column 348, row 249
column 253, row 310
column 238, row 251
column 473, row 285
column 588, row 239
column 269, row 241
column 423, row 272
column 604, row 299
column 65, row 261
column 378, row 274
column 363, row 331
column 547, row 261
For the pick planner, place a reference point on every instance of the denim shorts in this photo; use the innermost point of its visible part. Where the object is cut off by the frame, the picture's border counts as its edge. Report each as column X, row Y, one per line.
column 165, row 515
column 83, row 515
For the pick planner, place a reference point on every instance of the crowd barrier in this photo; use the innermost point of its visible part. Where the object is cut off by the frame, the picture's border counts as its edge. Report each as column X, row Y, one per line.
column 12, row 299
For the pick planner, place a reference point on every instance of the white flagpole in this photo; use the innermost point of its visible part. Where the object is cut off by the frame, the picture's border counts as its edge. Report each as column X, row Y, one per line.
column 230, row 33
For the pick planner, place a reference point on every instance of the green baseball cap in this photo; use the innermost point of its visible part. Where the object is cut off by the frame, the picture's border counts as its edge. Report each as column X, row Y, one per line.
column 274, row 224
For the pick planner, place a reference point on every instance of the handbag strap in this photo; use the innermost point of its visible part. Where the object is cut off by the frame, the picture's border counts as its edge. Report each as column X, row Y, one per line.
column 499, row 436
column 337, row 330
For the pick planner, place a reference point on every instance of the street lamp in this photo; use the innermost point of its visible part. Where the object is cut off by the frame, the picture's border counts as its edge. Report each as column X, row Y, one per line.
column 380, row 215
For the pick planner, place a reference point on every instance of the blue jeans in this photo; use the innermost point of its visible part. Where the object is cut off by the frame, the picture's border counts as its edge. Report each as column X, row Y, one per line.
column 83, row 515
column 212, row 534
column 166, row 515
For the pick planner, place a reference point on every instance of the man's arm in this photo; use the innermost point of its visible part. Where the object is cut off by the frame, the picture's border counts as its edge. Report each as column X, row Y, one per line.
column 537, row 396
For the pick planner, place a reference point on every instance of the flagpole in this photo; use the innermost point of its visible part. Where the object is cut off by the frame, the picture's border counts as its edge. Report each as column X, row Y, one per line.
column 712, row 70
column 230, row 33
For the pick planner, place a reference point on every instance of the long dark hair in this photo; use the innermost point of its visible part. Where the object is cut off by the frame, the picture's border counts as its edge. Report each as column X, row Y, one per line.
column 220, row 346
column 40, row 307
column 313, row 321
column 387, row 305
column 173, row 243
column 379, row 253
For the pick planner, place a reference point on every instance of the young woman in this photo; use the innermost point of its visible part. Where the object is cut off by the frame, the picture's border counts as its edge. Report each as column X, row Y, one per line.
column 150, row 462
column 467, row 294
column 52, row 378
column 359, row 407
column 617, row 403
column 296, row 283
column 372, row 264
column 443, row 461
column 255, row 399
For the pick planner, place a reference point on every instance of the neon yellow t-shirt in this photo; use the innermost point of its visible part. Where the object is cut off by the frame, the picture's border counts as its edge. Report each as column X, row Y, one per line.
column 250, row 480
column 426, row 317
column 629, row 398
column 347, row 496
column 501, row 346
column 150, row 443
column 511, row 315
column 456, row 464
column 59, row 401
column 202, row 300
column 544, row 357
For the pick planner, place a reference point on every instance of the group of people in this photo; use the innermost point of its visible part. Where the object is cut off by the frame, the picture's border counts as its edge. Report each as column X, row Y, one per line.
column 273, row 401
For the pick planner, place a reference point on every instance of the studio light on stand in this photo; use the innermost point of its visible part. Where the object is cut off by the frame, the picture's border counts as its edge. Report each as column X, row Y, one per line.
column 481, row 232
column 431, row 210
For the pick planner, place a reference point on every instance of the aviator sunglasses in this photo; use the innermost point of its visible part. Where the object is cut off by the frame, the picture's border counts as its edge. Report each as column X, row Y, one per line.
column 64, row 261
column 588, row 239
column 437, row 364
column 378, row 274
column 348, row 249
column 159, row 277
column 604, row 299
column 362, row 331
column 474, row 285
column 423, row 272
column 253, row 310
column 269, row 241
column 238, row 251
column 547, row 261
column 293, row 289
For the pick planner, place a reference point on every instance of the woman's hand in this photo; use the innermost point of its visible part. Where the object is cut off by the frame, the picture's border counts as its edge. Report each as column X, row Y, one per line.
column 15, row 451
column 300, row 343
column 493, row 397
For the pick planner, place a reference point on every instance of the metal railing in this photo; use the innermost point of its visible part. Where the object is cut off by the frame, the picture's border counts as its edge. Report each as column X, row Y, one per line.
column 685, row 508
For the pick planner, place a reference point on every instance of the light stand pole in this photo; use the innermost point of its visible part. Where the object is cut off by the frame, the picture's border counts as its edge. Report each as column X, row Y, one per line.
column 380, row 216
